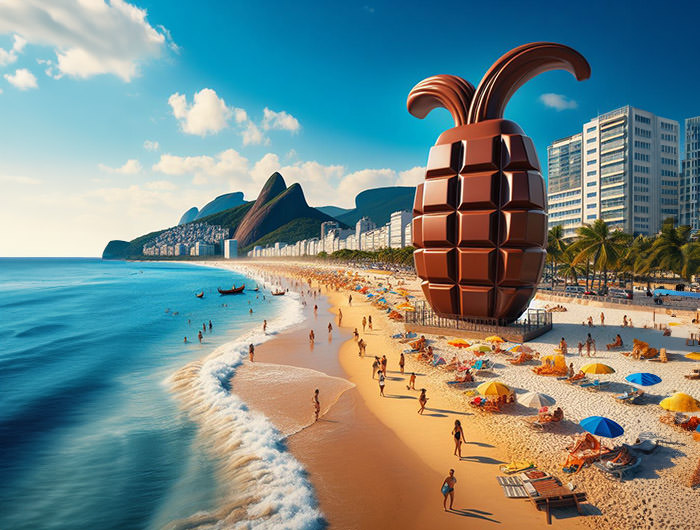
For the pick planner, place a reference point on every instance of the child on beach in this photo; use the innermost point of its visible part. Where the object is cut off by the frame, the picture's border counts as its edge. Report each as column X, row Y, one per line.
column 422, row 400
column 580, row 348
column 448, row 488
column 382, row 382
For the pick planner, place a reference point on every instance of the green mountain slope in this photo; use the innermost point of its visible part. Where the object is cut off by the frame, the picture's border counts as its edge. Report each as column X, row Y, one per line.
column 378, row 204
column 291, row 232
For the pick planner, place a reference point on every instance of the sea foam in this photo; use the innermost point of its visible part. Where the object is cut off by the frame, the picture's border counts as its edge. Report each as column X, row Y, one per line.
column 264, row 485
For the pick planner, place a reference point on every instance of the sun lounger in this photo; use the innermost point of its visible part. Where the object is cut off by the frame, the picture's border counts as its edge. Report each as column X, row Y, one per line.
column 561, row 498
column 595, row 385
column 618, row 472
column 517, row 467
column 630, row 397
column 646, row 446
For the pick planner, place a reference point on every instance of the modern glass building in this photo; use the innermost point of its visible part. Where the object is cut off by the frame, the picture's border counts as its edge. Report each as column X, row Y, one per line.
column 690, row 179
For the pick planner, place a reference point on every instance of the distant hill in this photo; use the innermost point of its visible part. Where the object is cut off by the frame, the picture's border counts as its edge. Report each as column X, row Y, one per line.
column 221, row 203
column 333, row 211
column 379, row 203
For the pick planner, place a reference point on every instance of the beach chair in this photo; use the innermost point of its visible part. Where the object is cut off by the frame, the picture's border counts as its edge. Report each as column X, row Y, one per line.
column 517, row 466
column 559, row 498
column 629, row 398
column 595, row 386
column 613, row 471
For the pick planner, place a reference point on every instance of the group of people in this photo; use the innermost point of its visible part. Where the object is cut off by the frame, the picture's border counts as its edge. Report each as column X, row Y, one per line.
column 589, row 344
column 200, row 333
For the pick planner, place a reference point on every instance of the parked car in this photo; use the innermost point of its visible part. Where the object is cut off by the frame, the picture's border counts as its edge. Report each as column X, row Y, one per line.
column 575, row 289
column 620, row 293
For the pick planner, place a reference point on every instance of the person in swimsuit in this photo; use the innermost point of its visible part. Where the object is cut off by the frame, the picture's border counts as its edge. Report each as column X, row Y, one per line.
column 448, row 489
column 411, row 382
column 317, row 404
column 402, row 362
column 185, row 340
column 364, row 324
column 330, row 328
column 210, row 326
column 458, row 435
column 369, row 322
column 312, row 337
column 251, row 352
column 340, row 317
column 199, row 336
column 264, row 326
column 382, row 382
column 356, row 333
column 384, row 363
column 422, row 400
column 375, row 366
column 315, row 310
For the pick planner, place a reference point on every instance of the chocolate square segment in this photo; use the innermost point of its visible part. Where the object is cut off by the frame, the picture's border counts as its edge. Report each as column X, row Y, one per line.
column 474, row 265
column 478, row 191
column 523, row 228
column 439, row 194
column 441, row 264
column 476, row 301
column 520, row 267
column 417, row 231
column 418, row 200
column 444, row 159
column 519, row 153
column 511, row 300
column 419, row 261
column 478, row 228
column 438, row 229
column 481, row 154
column 442, row 297
column 523, row 189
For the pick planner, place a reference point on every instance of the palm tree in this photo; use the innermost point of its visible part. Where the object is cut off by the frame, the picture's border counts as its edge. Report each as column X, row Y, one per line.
column 603, row 246
column 556, row 246
column 674, row 251
column 567, row 268
column 636, row 258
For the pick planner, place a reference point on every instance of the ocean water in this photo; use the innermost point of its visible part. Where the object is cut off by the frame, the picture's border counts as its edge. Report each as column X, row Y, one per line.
column 109, row 420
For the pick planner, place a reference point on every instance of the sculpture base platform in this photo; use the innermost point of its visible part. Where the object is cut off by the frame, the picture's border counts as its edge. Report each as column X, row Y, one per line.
column 532, row 324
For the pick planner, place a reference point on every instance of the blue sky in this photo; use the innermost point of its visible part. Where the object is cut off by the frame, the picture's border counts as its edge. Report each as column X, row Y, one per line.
column 82, row 95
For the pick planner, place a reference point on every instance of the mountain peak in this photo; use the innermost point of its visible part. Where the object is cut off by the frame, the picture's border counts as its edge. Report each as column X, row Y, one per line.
column 272, row 188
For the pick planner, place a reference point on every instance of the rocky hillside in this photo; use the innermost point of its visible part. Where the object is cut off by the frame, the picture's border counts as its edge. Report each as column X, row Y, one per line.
column 220, row 204
column 378, row 204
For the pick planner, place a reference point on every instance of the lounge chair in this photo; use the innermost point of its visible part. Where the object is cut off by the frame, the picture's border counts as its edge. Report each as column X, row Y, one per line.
column 517, row 466
column 558, row 497
column 613, row 471
column 629, row 398
column 595, row 385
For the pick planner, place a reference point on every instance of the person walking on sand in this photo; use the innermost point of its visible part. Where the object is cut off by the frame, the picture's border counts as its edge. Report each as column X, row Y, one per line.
column 350, row 300
column 422, row 400
column 382, row 382
column 624, row 321
column 251, row 352
column 199, row 336
column 356, row 334
column 458, row 435
column 330, row 328
column 448, row 489
column 361, row 348
column 384, row 363
column 369, row 322
column 364, row 324
column 602, row 318
column 563, row 346
column 402, row 362
column 411, row 382
column 312, row 337
column 375, row 366
column 340, row 317
column 315, row 310
column 317, row 405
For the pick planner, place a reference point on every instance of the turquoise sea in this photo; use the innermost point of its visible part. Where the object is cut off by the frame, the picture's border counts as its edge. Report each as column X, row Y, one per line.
column 92, row 432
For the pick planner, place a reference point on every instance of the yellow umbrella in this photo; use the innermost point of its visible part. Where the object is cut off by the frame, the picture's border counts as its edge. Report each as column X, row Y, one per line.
column 680, row 402
column 494, row 338
column 695, row 356
column 494, row 388
column 597, row 368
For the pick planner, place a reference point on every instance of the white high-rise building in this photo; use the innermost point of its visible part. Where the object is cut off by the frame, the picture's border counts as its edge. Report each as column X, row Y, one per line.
column 396, row 228
column 363, row 225
column 690, row 178
column 628, row 173
column 203, row 249
column 230, row 248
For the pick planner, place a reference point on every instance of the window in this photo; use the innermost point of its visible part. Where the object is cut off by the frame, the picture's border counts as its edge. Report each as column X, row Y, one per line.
column 642, row 145
column 591, row 151
column 671, row 183
column 669, row 161
column 591, row 174
column 591, row 140
column 641, row 198
column 641, row 180
column 589, row 217
column 591, row 206
column 592, row 162
column 641, row 156
column 593, row 194
column 641, row 169
column 642, row 119
column 644, row 133
column 641, row 209
column 591, row 129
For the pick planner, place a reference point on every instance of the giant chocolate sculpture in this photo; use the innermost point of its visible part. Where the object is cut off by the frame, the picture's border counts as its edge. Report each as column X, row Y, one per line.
column 479, row 220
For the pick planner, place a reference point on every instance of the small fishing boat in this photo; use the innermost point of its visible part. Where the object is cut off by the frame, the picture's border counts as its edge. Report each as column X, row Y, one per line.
column 277, row 293
column 233, row 290
column 256, row 289
column 200, row 295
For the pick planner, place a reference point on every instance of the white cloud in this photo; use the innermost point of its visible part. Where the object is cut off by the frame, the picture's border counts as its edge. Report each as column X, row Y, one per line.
column 558, row 101
column 151, row 145
column 89, row 37
column 130, row 167
column 253, row 136
column 411, row 177
column 228, row 166
column 282, row 121
column 207, row 114
column 22, row 79
column 9, row 57
column 19, row 179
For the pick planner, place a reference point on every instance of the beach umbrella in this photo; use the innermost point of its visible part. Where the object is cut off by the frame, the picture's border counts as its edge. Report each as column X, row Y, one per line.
column 695, row 356
column 493, row 388
column 680, row 402
column 597, row 368
column 643, row 379
column 535, row 400
column 601, row 426
column 494, row 338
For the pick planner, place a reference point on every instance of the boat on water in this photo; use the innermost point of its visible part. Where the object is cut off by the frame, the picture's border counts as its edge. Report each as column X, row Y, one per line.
column 277, row 293
column 200, row 295
column 233, row 290
column 256, row 289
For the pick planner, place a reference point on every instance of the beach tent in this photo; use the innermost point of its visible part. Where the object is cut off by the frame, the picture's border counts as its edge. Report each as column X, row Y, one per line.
column 597, row 368
column 494, row 388
column 680, row 402
column 535, row 400
column 695, row 356
column 601, row 426
column 643, row 379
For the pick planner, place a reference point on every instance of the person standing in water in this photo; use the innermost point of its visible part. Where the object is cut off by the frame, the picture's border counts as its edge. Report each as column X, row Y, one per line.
column 199, row 336
column 185, row 340
column 312, row 337
column 251, row 352
column 330, row 328
column 422, row 400
column 317, row 405
column 458, row 435
column 210, row 326
column 315, row 310
column 204, row 328
column 448, row 489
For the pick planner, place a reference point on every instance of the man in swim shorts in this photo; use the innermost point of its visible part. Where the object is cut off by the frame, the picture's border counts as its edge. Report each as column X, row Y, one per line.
column 448, row 489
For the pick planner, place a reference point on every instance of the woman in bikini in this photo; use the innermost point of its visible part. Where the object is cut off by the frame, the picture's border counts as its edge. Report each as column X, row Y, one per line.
column 422, row 400
column 458, row 435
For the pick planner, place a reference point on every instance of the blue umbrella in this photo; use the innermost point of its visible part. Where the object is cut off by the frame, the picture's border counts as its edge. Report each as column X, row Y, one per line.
column 643, row 379
column 601, row 426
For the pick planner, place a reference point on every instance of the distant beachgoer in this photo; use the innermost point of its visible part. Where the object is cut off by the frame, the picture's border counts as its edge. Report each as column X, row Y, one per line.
column 458, row 435
column 360, row 347
column 264, row 326
column 204, row 327
column 571, row 369
column 375, row 366
column 384, row 363
column 315, row 310
column 602, row 318
column 250, row 311
column 317, row 405
column 563, row 346
column 590, row 322
column 402, row 362
column 185, row 341
column 382, row 382
column 199, row 336
column 590, row 343
column 251, row 352
column 340, row 317
column 580, row 348
column 364, row 324
column 350, row 300
column 422, row 400
column 330, row 328
column 411, row 382
column 189, row 322
column 624, row 321
column 356, row 333
column 312, row 337
column 630, row 323
column 369, row 322
column 448, row 489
